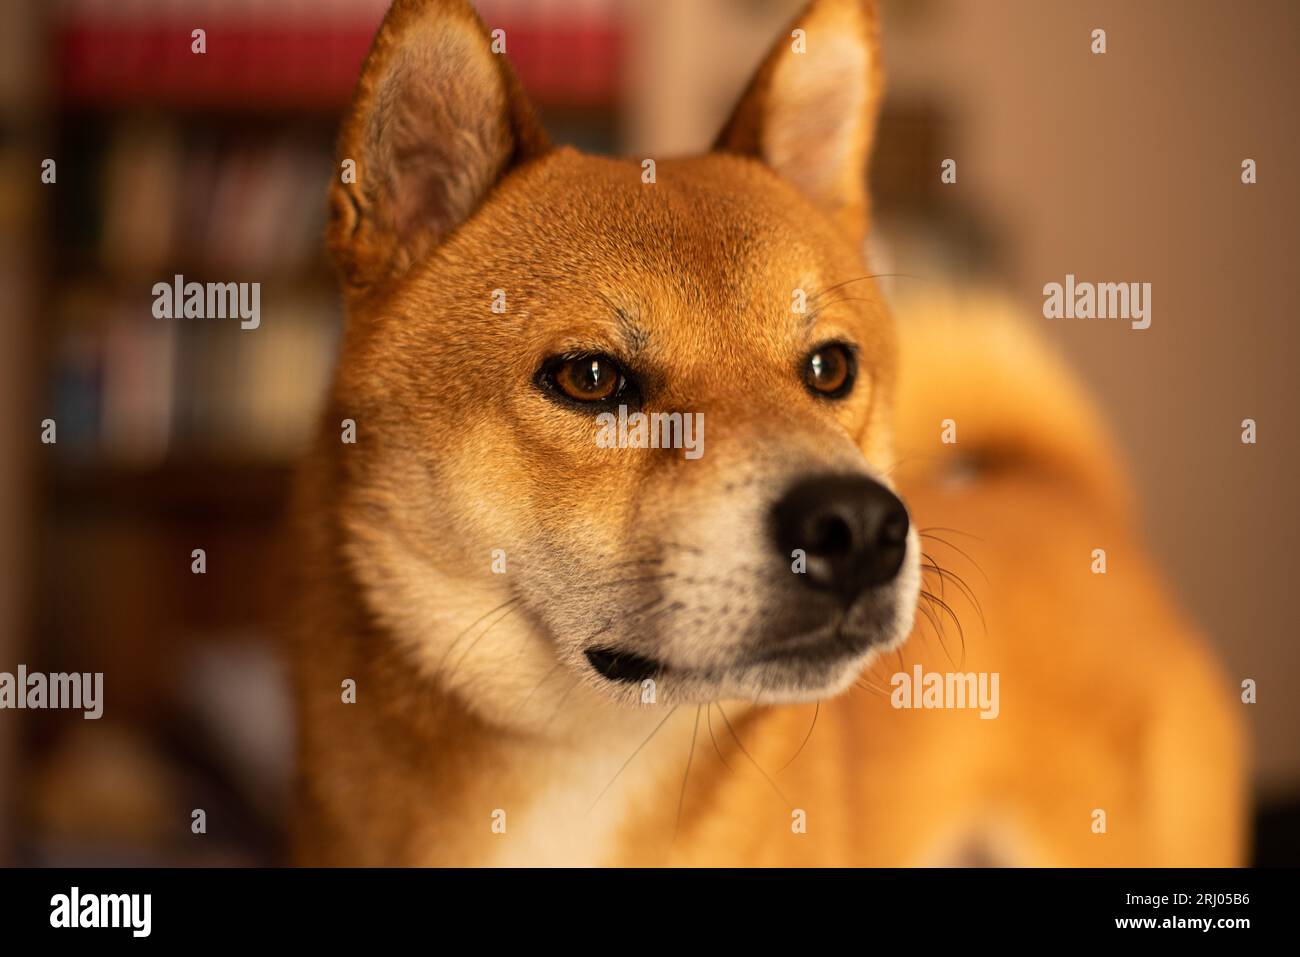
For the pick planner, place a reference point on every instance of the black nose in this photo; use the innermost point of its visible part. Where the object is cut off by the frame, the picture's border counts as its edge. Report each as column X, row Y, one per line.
column 852, row 529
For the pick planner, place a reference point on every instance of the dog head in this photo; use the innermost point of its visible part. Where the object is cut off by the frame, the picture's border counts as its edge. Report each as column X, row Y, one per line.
column 621, row 425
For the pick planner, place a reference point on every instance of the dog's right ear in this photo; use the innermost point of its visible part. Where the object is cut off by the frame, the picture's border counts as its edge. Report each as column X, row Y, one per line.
column 437, row 118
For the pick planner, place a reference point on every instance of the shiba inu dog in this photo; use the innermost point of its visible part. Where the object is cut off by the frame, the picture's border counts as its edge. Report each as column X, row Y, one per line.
column 518, row 644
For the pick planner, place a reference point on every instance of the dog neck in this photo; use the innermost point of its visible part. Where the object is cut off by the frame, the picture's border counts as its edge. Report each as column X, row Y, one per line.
column 436, row 771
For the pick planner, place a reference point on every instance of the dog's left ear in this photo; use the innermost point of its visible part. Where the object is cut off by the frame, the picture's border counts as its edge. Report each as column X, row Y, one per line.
column 810, row 111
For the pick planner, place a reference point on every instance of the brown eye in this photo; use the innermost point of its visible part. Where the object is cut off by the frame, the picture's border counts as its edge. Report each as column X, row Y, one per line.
column 830, row 370
column 586, row 378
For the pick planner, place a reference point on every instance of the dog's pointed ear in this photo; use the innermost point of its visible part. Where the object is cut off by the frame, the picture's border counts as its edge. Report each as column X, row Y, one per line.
column 437, row 118
column 810, row 111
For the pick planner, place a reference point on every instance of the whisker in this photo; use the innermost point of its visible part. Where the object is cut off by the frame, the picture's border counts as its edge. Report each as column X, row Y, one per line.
column 877, row 275
column 630, row 616
column 967, row 592
column 820, row 306
column 559, row 706
column 631, row 757
column 739, row 744
column 545, row 678
column 452, row 647
column 708, row 714
column 910, row 459
column 943, row 605
column 681, row 798
column 940, row 633
column 867, row 686
column 959, row 551
column 944, row 528
column 807, row 738
column 479, row 637
column 929, row 563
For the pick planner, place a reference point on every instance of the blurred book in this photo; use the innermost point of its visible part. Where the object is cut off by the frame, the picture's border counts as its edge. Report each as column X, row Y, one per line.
column 131, row 390
column 239, row 203
column 307, row 54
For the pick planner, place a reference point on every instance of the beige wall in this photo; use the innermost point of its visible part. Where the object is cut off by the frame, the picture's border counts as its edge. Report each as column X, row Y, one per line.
column 1120, row 167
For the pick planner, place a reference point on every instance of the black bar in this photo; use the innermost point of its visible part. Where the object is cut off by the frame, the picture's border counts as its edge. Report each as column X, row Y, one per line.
column 435, row 908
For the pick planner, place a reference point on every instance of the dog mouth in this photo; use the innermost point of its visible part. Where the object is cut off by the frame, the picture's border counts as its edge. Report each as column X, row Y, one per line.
column 623, row 667
column 626, row 667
